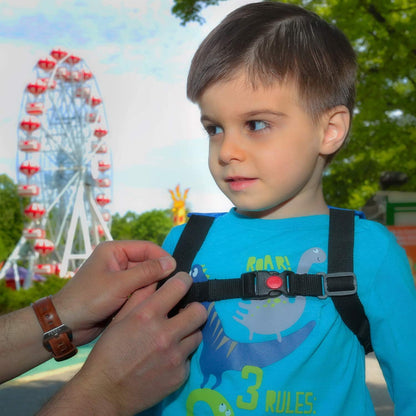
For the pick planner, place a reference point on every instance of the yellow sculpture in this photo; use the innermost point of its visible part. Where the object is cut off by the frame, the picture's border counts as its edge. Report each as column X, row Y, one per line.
column 178, row 208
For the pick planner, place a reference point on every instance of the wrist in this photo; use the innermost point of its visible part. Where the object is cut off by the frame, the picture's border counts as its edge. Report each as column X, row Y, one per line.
column 79, row 396
column 67, row 311
column 92, row 395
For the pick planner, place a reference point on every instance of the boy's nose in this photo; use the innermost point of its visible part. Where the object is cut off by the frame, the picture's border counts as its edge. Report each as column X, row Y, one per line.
column 231, row 149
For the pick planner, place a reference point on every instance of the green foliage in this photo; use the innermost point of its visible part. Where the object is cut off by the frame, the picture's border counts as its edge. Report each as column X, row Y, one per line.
column 11, row 218
column 151, row 226
column 121, row 227
column 383, row 136
column 11, row 300
column 188, row 10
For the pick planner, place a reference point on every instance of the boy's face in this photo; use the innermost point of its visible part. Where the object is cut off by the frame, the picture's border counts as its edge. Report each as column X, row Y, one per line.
column 265, row 150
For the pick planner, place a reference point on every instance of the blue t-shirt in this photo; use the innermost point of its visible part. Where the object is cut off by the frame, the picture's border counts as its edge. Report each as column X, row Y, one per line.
column 295, row 355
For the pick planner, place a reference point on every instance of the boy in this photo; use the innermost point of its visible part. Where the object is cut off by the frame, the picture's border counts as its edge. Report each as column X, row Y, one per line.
column 275, row 86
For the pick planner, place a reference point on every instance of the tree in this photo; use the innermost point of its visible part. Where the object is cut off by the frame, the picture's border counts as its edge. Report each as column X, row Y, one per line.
column 11, row 218
column 121, row 227
column 188, row 10
column 151, row 226
column 383, row 136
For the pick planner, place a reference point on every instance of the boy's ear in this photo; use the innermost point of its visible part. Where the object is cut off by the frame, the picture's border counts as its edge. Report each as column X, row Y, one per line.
column 336, row 126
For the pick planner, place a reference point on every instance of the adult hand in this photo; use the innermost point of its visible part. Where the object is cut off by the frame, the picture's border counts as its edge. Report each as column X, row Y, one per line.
column 105, row 281
column 140, row 358
column 87, row 302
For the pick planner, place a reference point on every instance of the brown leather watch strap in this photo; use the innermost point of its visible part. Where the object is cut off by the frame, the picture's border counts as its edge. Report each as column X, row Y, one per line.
column 57, row 337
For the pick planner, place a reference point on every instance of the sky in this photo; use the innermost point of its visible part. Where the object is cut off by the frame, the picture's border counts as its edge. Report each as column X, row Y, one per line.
column 139, row 54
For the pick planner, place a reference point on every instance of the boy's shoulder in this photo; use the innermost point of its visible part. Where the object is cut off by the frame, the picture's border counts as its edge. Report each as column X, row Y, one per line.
column 371, row 230
column 367, row 230
column 175, row 233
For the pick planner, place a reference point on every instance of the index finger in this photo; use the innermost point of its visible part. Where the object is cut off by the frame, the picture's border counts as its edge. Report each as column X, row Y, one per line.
column 171, row 292
column 162, row 301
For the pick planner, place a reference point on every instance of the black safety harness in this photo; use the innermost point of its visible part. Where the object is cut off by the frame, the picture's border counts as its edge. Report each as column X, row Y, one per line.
column 339, row 283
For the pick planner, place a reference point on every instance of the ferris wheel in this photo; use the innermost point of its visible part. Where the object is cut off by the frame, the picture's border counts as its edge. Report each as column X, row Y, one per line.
column 63, row 168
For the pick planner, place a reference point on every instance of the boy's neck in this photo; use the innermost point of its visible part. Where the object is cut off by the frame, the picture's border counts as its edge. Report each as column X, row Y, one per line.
column 314, row 206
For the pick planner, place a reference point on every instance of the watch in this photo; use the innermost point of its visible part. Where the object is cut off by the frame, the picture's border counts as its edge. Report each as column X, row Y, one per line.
column 57, row 337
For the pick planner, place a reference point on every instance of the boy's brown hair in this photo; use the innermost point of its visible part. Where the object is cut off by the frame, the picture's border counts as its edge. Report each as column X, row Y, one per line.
column 275, row 41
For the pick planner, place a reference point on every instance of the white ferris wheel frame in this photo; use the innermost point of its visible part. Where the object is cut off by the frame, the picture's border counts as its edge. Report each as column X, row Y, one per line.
column 82, row 213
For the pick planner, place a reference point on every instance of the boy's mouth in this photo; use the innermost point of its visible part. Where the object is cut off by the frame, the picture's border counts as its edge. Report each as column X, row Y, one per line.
column 238, row 183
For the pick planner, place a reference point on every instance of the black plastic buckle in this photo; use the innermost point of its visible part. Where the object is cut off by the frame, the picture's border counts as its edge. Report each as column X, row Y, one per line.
column 339, row 284
column 264, row 284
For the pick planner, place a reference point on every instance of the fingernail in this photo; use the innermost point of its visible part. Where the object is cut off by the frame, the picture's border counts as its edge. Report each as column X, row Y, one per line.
column 167, row 263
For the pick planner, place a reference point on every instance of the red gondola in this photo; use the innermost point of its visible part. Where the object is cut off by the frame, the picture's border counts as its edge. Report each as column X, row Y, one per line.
column 30, row 124
column 73, row 59
column 103, row 182
column 28, row 190
column 58, row 53
column 100, row 132
column 35, row 211
column 37, row 87
column 75, row 76
column 103, row 165
column 45, row 269
column 29, row 145
column 35, row 109
column 47, row 64
column 102, row 199
column 33, row 233
column 94, row 101
column 63, row 74
column 86, row 74
column 82, row 92
column 43, row 246
column 29, row 168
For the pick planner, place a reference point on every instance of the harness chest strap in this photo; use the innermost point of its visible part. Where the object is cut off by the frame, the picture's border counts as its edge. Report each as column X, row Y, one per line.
column 263, row 284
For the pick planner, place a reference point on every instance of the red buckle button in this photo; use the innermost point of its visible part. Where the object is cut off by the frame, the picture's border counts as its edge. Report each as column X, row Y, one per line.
column 274, row 282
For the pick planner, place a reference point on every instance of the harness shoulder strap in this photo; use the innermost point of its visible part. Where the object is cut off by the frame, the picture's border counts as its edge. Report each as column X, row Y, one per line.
column 189, row 243
column 340, row 258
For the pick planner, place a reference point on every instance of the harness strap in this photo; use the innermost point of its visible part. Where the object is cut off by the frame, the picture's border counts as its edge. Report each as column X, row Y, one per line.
column 340, row 257
column 264, row 284
column 340, row 283
column 194, row 235
column 190, row 241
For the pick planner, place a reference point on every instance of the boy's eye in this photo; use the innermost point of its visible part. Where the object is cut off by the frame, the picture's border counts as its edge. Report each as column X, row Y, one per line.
column 256, row 125
column 213, row 130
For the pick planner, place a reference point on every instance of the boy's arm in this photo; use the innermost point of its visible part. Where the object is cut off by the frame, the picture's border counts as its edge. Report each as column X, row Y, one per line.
column 391, row 309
